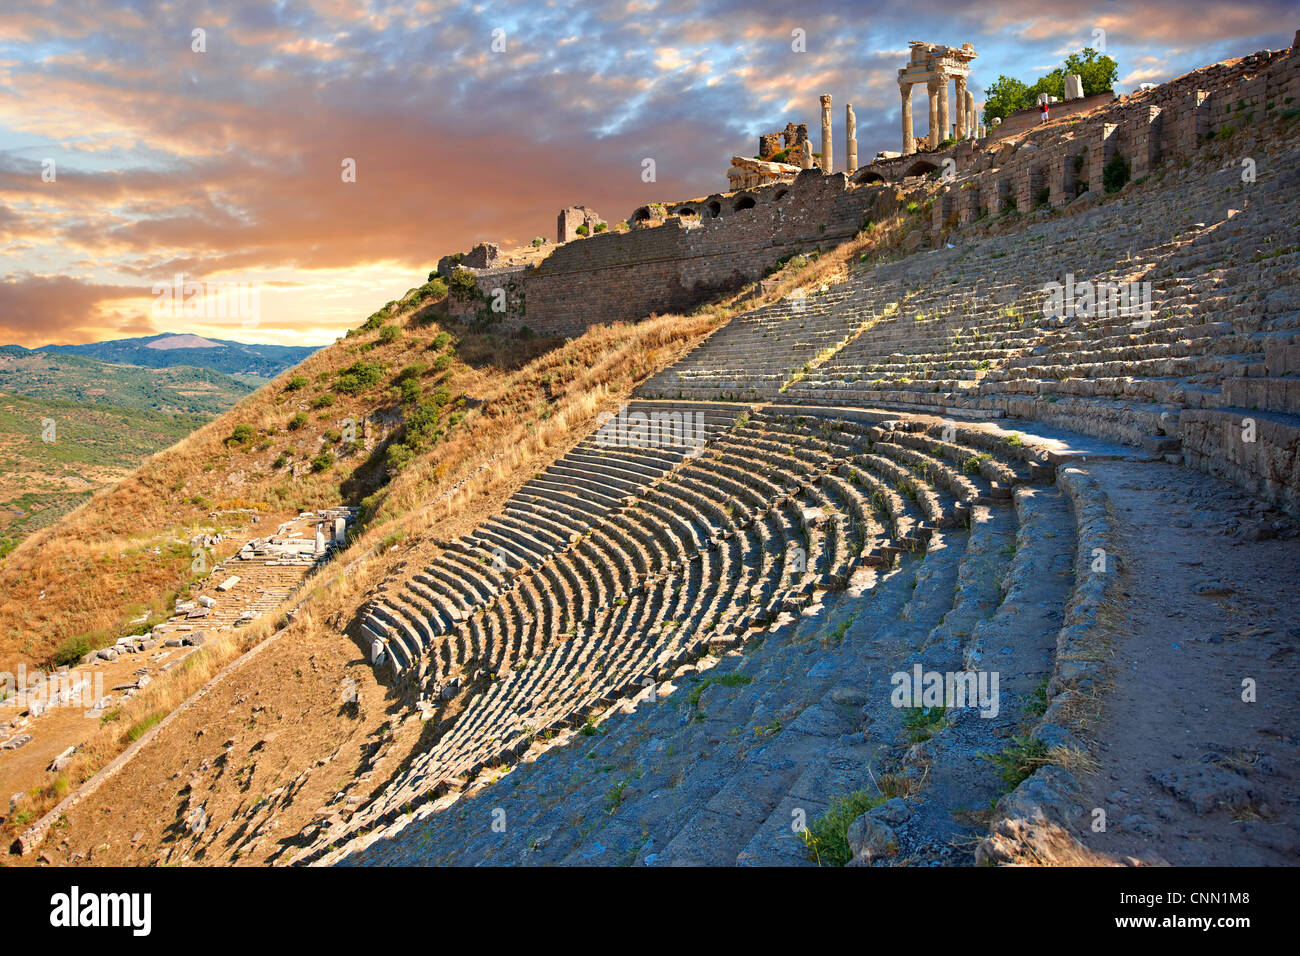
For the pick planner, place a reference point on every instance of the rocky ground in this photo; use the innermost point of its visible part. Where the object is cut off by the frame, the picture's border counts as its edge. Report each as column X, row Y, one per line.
column 1199, row 760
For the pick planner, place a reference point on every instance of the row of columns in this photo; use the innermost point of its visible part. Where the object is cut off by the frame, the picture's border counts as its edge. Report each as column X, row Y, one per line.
column 940, row 122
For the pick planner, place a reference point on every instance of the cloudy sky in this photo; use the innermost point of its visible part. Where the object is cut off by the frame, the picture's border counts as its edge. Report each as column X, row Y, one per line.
column 226, row 165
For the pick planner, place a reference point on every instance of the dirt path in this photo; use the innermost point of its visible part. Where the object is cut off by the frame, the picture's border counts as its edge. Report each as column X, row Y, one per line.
column 1190, row 771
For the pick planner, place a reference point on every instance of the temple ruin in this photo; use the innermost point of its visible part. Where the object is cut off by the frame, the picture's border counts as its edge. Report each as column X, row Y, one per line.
column 935, row 65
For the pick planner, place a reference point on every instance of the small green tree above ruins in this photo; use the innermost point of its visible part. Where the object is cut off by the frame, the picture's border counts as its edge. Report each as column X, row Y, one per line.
column 1007, row 94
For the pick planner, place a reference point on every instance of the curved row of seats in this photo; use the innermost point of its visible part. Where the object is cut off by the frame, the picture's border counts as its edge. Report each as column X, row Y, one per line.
column 787, row 504
column 551, row 511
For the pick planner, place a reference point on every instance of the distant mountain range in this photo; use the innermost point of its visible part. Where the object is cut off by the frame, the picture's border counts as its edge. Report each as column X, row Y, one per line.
column 171, row 349
column 109, row 405
column 81, row 379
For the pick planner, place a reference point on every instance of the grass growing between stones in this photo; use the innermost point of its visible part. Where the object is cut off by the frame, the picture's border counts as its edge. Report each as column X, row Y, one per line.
column 1021, row 758
column 922, row 723
column 723, row 680
column 827, row 837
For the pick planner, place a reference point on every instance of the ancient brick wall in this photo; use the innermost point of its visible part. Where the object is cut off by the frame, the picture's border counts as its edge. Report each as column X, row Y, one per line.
column 1145, row 129
column 677, row 265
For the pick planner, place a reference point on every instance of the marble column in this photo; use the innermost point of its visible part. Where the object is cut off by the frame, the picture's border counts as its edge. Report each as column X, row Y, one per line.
column 909, row 137
column 960, row 104
column 971, row 122
column 828, row 157
column 936, row 131
column 943, row 110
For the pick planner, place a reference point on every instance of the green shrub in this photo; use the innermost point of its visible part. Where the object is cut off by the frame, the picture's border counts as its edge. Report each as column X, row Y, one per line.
column 1115, row 173
column 411, row 391
column 370, row 507
column 241, row 435
column 298, row 421
column 414, row 370
column 440, row 341
column 601, row 227
column 389, row 333
column 324, row 400
column 463, row 286
column 72, row 650
column 922, row 723
column 399, row 456
column 827, row 837
column 442, row 363
column 358, row 377
column 295, row 383
column 1021, row 758
column 322, row 462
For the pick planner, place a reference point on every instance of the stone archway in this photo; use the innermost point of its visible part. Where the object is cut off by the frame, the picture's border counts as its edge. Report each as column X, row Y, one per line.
column 921, row 167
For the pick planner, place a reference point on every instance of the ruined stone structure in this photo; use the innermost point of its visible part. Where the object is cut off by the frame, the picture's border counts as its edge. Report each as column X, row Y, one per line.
column 789, row 141
column 701, row 249
column 924, row 424
column 749, row 173
column 678, row 634
column 485, row 255
column 696, row 249
column 1021, row 120
column 936, row 65
column 571, row 219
